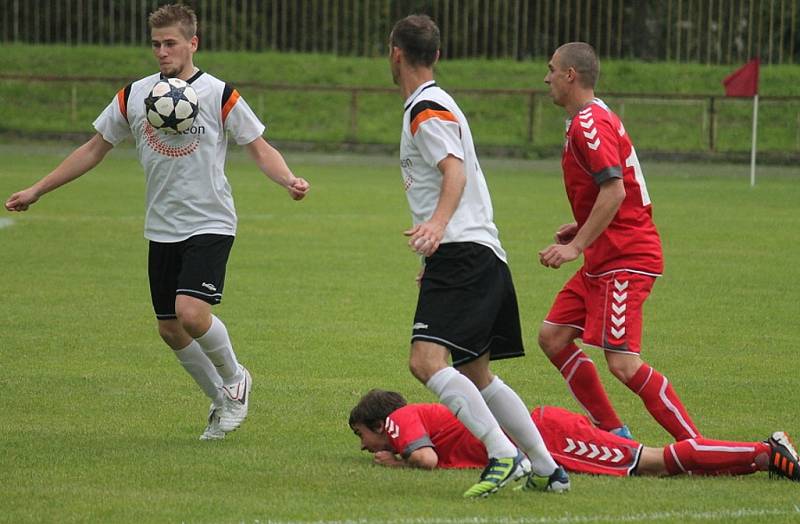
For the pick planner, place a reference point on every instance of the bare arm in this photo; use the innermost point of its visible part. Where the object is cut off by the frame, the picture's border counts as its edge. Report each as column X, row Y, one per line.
column 422, row 458
column 272, row 164
column 425, row 237
column 610, row 197
column 76, row 164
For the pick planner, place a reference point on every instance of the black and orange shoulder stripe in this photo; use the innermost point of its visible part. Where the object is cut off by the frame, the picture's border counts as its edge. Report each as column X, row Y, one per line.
column 229, row 98
column 122, row 100
column 427, row 109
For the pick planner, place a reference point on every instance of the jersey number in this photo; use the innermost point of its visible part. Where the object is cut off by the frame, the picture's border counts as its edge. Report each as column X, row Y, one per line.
column 633, row 161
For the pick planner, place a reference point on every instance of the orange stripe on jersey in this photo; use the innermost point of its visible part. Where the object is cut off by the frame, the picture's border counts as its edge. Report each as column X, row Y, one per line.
column 229, row 104
column 428, row 114
column 123, row 103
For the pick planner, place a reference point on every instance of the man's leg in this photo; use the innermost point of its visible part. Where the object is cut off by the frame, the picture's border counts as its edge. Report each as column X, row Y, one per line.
column 511, row 414
column 191, row 356
column 428, row 363
column 655, row 391
column 580, row 373
column 194, row 316
column 703, row 456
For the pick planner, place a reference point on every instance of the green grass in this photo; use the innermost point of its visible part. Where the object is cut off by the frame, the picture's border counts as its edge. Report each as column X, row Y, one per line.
column 100, row 423
column 496, row 120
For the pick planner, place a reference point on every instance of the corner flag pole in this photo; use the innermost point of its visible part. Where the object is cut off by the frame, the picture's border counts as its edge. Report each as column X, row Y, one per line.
column 744, row 83
column 753, row 146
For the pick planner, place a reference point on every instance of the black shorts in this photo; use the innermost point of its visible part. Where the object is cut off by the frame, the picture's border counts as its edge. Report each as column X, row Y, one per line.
column 194, row 267
column 467, row 304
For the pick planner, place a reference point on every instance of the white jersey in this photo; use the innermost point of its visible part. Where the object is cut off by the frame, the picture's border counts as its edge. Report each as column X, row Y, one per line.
column 433, row 128
column 187, row 192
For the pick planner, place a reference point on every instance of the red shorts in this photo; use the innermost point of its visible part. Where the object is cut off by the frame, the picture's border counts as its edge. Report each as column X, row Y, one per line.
column 579, row 446
column 607, row 308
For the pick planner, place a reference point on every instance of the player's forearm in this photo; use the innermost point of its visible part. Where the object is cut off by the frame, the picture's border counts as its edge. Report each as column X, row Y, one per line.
column 271, row 163
column 608, row 201
column 76, row 164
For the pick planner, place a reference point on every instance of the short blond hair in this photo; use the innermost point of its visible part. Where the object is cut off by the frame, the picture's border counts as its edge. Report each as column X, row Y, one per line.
column 174, row 14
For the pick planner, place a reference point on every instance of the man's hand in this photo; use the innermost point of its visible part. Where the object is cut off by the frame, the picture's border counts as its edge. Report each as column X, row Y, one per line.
column 555, row 255
column 22, row 200
column 566, row 233
column 424, row 238
column 298, row 188
column 386, row 458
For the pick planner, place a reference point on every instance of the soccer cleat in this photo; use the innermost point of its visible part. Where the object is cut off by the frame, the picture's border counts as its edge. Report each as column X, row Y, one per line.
column 498, row 473
column 557, row 482
column 623, row 432
column 213, row 431
column 235, row 401
column 783, row 461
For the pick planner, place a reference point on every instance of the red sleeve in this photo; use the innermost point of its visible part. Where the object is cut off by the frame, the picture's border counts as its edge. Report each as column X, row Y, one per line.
column 596, row 143
column 406, row 431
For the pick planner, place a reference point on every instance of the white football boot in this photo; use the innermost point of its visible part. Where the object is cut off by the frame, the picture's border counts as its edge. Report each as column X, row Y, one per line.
column 213, row 430
column 235, row 400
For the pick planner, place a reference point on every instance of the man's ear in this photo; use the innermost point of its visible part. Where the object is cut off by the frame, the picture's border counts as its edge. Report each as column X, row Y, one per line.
column 571, row 74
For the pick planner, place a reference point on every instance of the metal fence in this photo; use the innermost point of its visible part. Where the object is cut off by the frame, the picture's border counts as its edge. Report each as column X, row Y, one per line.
column 517, row 119
column 706, row 31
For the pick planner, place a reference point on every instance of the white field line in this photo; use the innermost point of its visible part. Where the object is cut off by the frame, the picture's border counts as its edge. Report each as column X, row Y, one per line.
column 678, row 516
column 6, row 222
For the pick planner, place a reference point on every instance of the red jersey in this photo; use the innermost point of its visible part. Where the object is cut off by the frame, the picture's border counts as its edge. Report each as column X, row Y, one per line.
column 416, row 426
column 598, row 148
column 573, row 441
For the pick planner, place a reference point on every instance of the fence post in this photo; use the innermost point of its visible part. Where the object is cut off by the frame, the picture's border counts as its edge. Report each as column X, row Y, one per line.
column 712, row 117
column 353, row 115
column 531, row 115
column 74, row 103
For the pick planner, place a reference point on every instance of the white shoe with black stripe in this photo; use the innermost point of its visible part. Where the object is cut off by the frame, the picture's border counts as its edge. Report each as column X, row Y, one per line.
column 235, row 401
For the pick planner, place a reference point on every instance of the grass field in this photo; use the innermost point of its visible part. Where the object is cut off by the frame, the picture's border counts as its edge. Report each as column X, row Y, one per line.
column 496, row 120
column 100, row 423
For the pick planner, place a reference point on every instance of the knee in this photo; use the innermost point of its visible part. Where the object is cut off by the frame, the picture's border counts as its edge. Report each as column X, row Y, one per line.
column 420, row 368
column 624, row 367
column 552, row 340
column 193, row 320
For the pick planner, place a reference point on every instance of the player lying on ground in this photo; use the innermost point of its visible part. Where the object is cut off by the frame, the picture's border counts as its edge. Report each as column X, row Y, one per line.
column 428, row 436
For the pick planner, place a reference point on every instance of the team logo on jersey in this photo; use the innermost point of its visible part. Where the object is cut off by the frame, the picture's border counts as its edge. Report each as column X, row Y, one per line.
column 589, row 130
column 154, row 141
column 408, row 181
column 392, row 429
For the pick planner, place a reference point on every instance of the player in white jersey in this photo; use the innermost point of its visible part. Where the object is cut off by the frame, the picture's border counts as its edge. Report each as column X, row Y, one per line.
column 467, row 308
column 190, row 219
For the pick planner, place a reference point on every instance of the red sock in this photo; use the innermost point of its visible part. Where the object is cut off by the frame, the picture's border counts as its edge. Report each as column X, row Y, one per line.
column 661, row 401
column 702, row 456
column 584, row 383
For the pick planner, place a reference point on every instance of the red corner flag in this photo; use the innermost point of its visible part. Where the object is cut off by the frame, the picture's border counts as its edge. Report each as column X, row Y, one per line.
column 743, row 81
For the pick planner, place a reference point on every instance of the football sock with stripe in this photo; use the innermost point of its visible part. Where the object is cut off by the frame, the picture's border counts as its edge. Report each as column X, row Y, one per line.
column 217, row 346
column 198, row 365
column 702, row 456
column 514, row 418
column 464, row 400
column 584, row 382
column 662, row 402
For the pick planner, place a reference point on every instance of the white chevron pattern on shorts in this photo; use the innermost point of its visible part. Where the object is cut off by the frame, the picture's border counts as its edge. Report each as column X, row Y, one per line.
column 618, row 306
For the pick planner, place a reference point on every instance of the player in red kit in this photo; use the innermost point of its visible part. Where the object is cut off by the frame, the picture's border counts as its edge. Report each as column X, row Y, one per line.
column 614, row 230
column 428, row 436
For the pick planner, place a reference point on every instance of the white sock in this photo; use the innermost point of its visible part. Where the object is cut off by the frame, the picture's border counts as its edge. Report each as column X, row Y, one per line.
column 514, row 418
column 461, row 396
column 197, row 364
column 217, row 346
